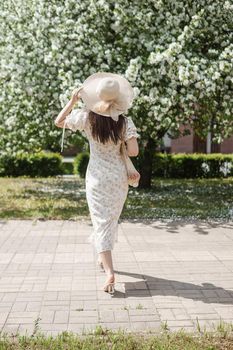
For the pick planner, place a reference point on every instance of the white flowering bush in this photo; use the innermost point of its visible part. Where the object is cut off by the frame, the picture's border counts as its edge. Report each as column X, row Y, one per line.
column 190, row 166
column 177, row 55
column 205, row 167
column 225, row 168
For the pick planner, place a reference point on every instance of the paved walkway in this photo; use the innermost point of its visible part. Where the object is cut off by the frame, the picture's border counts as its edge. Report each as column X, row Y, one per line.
column 170, row 273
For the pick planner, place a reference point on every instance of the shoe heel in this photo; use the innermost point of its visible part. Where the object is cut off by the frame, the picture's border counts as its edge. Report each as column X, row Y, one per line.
column 111, row 288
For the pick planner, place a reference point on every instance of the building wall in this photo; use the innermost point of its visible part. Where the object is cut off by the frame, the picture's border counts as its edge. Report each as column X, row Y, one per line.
column 185, row 144
column 227, row 145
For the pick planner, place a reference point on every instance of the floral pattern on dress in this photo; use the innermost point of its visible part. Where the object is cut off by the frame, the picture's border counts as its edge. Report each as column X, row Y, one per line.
column 105, row 181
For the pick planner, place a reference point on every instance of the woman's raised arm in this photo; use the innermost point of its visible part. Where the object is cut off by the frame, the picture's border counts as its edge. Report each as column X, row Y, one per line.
column 59, row 121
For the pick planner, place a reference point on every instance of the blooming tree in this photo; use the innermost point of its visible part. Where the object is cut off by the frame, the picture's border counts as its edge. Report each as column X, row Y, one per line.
column 178, row 55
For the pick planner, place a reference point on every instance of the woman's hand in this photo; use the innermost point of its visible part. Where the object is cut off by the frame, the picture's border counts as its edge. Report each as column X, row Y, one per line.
column 59, row 121
column 75, row 94
column 134, row 176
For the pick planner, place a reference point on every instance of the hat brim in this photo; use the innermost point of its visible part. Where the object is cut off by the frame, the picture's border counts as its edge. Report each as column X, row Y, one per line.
column 90, row 97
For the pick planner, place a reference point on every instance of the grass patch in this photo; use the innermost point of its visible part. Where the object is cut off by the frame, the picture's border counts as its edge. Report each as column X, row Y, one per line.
column 65, row 198
column 182, row 199
column 42, row 198
column 102, row 338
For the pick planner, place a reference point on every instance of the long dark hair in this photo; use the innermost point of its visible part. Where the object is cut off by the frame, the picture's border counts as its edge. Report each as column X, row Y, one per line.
column 105, row 128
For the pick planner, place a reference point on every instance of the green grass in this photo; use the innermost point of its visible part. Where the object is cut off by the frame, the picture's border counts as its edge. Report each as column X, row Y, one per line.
column 65, row 198
column 44, row 198
column 221, row 337
column 182, row 199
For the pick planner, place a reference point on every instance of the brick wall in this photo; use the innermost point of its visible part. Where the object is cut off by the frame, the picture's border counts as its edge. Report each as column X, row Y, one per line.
column 185, row 144
column 227, row 145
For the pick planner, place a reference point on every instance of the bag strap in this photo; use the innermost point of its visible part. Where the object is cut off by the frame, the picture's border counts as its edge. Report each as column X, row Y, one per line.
column 124, row 151
column 63, row 135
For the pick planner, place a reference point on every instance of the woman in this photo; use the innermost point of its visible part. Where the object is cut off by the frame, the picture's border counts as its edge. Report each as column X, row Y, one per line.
column 106, row 97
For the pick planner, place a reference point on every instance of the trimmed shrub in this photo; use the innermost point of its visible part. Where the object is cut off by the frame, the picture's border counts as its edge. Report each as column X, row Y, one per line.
column 39, row 164
column 196, row 165
column 81, row 163
column 68, row 168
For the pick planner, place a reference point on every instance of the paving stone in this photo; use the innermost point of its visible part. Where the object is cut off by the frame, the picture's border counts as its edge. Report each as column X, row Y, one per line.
column 61, row 316
column 142, row 317
column 166, row 314
column 121, row 315
column 125, row 326
column 46, row 315
column 9, row 328
column 19, row 306
column 33, row 306
column 139, row 326
column 153, row 325
column 204, row 316
column 179, row 323
column 58, row 327
column 90, row 305
column 106, row 316
column 76, row 328
column 83, row 316
column 171, row 273
column 3, row 316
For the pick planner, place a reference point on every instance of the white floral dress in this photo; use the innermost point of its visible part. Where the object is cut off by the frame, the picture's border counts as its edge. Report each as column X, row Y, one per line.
column 105, row 181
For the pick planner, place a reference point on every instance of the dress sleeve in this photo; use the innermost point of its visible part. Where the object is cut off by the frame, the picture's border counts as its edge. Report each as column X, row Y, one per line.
column 76, row 120
column 131, row 130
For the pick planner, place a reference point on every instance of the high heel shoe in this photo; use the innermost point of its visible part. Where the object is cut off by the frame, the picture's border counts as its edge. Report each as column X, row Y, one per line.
column 109, row 286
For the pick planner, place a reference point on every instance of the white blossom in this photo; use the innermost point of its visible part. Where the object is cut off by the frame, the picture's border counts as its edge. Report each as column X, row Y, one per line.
column 179, row 60
column 225, row 168
column 205, row 167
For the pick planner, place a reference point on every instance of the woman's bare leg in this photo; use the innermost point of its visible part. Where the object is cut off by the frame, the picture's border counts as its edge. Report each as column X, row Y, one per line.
column 106, row 258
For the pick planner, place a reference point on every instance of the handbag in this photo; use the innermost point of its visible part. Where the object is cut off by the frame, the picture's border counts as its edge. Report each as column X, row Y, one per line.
column 130, row 168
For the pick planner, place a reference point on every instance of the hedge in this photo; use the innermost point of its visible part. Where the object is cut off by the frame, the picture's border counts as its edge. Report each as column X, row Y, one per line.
column 181, row 165
column 68, row 168
column 80, row 163
column 39, row 164
column 196, row 165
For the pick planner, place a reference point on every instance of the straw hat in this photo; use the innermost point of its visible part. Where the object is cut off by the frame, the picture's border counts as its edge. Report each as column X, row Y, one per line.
column 107, row 94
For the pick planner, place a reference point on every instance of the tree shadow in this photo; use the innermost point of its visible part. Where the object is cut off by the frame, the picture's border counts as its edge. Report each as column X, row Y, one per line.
column 149, row 286
column 202, row 227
